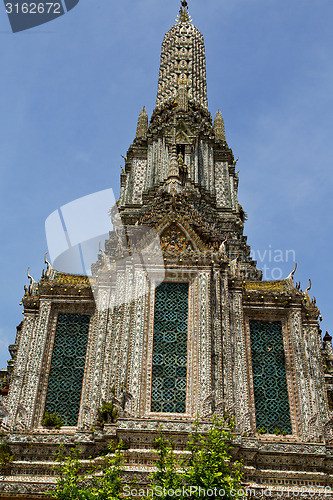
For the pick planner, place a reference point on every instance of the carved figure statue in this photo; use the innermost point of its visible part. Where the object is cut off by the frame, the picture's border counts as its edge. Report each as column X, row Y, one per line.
column 104, row 259
column 307, row 291
column 32, row 282
column 21, row 418
column 122, row 401
column 48, row 267
column 222, row 248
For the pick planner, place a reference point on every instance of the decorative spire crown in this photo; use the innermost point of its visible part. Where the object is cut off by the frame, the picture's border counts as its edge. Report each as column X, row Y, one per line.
column 183, row 62
column 183, row 16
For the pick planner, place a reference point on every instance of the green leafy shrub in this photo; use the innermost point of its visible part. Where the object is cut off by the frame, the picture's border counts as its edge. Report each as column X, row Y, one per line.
column 208, row 465
column 107, row 414
column 52, row 420
column 261, row 430
column 6, row 457
column 101, row 482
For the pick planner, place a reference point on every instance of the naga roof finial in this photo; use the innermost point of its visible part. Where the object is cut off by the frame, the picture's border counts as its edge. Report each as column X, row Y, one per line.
column 183, row 16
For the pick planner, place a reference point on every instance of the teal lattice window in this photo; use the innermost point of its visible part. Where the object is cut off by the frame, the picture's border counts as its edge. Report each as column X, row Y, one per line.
column 170, row 348
column 269, row 377
column 67, row 367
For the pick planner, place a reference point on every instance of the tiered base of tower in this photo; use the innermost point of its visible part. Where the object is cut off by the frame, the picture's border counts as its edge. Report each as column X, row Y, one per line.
column 273, row 467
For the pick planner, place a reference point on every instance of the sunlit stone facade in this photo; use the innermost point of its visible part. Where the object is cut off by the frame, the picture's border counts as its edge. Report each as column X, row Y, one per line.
column 175, row 321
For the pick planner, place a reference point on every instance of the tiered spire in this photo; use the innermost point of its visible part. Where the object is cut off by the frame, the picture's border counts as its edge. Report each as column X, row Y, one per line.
column 185, row 158
column 183, row 63
column 219, row 129
column 142, row 127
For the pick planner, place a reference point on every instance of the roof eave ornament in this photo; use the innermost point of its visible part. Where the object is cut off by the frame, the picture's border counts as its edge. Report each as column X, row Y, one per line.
column 183, row 16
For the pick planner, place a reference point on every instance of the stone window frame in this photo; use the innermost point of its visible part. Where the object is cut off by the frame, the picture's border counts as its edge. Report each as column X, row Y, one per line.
column 268, row 316
column 189, row 276
column 56, row 309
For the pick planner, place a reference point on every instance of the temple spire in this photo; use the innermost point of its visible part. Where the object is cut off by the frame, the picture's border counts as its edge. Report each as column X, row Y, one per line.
column 142, row 127
column 183, row 16
column 183, row 63
column 219, row 129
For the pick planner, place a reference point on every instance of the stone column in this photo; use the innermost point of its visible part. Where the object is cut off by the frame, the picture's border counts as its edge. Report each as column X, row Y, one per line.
column 216, row 340
column 320, row 412
column 301, row 373
column 204, row 345
column 127, row 308
column 26, row 376
column 226, row 344
column 20, row 373
column 240, row 380
column 137, row 341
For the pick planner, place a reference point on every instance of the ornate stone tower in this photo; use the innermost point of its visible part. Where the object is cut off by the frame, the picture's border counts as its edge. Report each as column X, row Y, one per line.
column 175, row 321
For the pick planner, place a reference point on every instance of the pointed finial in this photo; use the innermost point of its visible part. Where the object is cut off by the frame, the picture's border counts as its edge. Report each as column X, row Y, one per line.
column 219, row 129
column 32, row 282
column 327, row 337
column 142, row 127
column 183, row 16
column 291, row 275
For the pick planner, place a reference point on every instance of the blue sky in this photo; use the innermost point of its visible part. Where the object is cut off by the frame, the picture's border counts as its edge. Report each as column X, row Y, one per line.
column 71, row 92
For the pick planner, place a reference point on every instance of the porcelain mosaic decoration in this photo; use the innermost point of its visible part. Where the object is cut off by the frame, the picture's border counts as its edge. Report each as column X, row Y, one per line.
column 213, row 338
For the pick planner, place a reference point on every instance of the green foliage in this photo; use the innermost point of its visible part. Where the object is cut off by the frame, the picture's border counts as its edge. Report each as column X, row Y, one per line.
column 278, row 432
column 261, row 430
column 69, row 481
column 108, row 413
column 125, row 444
column 52, row 421
column 228, row 420
column 6, row 457
column 208, row 465
column 108, row 483
column 167, row 475
column 100, row 482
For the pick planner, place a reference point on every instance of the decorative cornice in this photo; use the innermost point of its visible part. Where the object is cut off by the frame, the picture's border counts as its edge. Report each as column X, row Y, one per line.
column 267, row 286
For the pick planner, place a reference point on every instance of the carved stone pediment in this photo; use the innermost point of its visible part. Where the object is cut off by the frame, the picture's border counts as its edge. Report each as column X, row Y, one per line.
column 177, row 236
column 173, row 239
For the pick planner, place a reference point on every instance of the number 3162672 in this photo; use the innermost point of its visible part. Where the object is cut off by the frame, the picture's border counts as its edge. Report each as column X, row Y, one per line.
column 33, row 8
